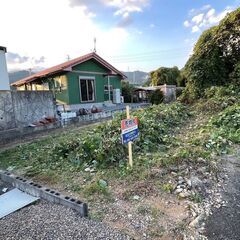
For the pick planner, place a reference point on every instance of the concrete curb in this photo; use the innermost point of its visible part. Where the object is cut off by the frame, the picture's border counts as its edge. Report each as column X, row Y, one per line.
column 45, row 193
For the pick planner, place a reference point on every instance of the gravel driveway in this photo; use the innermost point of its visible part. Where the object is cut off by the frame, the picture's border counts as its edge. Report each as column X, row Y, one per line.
column 49, row 221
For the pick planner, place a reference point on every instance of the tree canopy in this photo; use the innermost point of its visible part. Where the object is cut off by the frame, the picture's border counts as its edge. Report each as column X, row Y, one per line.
column 164, row 75
column 127, row 91
column 216, row 57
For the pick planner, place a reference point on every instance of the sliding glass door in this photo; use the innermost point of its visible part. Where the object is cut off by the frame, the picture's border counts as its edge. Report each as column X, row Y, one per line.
column 87, row 90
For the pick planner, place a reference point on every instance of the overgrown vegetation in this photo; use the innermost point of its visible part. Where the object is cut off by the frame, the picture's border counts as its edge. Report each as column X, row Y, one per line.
column 100, row 146
column 170, row 76
column 93, row 162
column 215, row 60
column 127, row 92
column 156, row 97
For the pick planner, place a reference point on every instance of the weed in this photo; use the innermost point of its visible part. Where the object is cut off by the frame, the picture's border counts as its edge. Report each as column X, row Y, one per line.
column 157, row 232
column 196, row 197
column 143, row 209
column 76, row 188
column 168, row 187
column 97, row 215
column 95, row 188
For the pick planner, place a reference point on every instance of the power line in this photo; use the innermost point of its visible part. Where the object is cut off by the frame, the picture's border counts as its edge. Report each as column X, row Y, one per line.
column 149, row 53
column 148, row 58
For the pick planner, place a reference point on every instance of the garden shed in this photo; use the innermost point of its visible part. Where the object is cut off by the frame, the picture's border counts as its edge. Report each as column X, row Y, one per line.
column 80, row 82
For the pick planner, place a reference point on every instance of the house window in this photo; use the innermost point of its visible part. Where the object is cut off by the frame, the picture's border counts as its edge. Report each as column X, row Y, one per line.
column 106, row 89
column 87, row 90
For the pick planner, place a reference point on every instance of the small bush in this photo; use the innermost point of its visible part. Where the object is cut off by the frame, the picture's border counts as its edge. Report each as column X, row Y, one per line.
column 168, row 187
column 225, row 130
column 179, row 92
column 156, row 97
column 96, row 188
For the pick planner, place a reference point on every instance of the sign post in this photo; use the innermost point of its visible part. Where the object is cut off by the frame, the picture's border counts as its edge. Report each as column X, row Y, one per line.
column 129, row 133
column 129, row 143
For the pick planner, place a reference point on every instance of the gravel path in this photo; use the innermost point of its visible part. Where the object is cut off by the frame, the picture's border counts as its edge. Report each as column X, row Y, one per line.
column 224, row 223
column 49, row 221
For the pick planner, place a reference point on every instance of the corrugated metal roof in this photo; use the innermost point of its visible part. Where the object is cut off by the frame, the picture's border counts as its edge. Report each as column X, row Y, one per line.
column 65, row 67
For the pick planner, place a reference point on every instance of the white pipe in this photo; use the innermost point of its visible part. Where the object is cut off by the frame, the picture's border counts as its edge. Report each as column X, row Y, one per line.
column 4, row 79
column 109, row 94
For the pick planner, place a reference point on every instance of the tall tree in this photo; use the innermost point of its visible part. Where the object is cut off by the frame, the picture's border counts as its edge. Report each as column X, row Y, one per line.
column 164, row 75
column 215, row 57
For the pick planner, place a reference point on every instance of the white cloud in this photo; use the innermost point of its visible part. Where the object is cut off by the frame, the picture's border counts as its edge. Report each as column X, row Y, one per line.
column 126, row 6
column 205, row 18
column 197, row 11
column 187, row 23
column 122, row 7
column 198, row 19
column 195, row 29
column 210, row 13
column 53, row 30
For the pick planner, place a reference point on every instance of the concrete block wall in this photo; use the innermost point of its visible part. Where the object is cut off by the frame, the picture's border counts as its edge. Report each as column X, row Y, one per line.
column 31, row 106
column 18, row 109
column 7, row 116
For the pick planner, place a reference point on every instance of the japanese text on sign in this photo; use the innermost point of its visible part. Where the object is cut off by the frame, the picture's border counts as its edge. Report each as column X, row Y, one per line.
column 129, row 130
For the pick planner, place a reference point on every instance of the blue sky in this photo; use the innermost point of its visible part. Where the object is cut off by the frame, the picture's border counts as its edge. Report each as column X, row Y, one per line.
column 131, row 34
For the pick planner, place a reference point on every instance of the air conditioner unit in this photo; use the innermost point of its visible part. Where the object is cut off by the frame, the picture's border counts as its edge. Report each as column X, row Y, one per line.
column 116, row 96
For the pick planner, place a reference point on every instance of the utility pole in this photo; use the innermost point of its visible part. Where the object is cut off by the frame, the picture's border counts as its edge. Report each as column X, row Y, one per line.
column 95, row 45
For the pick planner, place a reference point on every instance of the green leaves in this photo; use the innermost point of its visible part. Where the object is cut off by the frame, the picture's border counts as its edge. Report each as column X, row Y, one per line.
column 215, row 59
column 225, row 129
column 164, row 75
column 75, row 150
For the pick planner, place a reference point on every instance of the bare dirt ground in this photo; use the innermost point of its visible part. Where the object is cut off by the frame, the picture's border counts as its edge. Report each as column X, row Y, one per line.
column 144, row 213
column 142, row 210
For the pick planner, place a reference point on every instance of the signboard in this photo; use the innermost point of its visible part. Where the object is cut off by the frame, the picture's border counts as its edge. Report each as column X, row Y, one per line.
column 129, row 130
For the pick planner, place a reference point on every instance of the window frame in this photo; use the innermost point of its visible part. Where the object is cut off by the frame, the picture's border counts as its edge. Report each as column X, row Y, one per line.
column 87, row 78
column 107, row 90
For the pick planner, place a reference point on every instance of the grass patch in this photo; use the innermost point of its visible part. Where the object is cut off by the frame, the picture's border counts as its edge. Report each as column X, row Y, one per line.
column 94, row 189
column 169, row 135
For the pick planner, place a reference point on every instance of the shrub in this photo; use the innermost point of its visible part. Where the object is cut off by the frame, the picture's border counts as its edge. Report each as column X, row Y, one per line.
column 179, row 92
column 103, row 144
column 225, row 129
column 127, row 92
column 156, row 97
column 215, row 59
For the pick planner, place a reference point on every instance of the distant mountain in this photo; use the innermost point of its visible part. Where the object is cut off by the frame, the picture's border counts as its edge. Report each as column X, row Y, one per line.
column 17, row 75
column 136, row 77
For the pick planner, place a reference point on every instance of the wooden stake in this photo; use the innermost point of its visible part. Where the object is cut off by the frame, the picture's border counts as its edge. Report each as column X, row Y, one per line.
column 130, row 143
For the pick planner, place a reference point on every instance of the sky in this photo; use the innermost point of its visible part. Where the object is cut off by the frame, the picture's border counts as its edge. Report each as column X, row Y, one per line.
column 130, row 34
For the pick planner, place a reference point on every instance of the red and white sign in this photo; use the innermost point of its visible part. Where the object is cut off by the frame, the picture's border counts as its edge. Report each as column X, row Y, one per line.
column 129, row 130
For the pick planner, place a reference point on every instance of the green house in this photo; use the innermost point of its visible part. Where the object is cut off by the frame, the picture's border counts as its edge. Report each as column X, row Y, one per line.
column 81, row 82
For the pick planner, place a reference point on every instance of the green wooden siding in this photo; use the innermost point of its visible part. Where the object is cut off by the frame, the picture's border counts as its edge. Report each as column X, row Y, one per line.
column 70, row 93
column 115, row 81
column 100, row 81
column 91, row 66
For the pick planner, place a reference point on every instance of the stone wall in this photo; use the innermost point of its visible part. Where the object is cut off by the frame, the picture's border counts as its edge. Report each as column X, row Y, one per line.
column 20, row 108
column 31, row 106
column 7, row 117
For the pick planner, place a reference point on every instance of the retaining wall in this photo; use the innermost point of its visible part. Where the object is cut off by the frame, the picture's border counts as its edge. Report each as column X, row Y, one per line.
column 18, row 109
